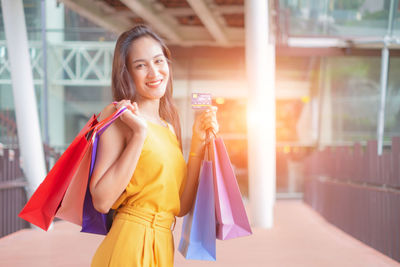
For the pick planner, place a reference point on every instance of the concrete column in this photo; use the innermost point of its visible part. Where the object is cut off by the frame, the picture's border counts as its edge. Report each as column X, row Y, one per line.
column 24, row 95
column 385, row 75
column 260, row 62
column 56, row 101
column 383, row 83
column 326, row 116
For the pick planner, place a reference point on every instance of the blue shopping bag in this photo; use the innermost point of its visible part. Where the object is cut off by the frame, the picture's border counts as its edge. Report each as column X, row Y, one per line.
column 198, row 238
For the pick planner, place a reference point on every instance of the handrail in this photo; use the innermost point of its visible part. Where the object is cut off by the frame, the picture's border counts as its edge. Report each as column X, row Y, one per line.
column 18, row 182
column 8, row 123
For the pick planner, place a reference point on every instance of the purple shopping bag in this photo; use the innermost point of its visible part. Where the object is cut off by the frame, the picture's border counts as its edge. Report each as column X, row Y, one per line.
column 198, row 241
column 231, row 217
column 93, row 221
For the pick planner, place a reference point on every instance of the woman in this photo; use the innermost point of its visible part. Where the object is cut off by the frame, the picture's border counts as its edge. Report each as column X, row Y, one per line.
column 140, row 170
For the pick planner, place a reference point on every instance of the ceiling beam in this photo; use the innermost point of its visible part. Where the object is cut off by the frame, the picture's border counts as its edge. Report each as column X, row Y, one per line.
column 209, row 20
column 97, row 15
column 187, row 11
column 147, row 13
column 320, row 42
column 228, row 9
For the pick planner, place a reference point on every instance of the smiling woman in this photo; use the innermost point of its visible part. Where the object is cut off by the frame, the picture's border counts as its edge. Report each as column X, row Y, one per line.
column 151, row 73
column 134, row 67
column 140, row 171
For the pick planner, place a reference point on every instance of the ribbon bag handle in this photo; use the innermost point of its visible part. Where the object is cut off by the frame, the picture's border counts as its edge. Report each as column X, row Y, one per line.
column 210, row 136
column 105, row 122
column 103, row 125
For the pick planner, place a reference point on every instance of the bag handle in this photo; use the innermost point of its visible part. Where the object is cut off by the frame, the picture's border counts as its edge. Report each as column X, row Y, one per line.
column 209, row 140
column 105, row 122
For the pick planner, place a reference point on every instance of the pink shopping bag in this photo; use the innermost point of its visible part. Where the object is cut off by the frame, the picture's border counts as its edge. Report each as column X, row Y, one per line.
column 72, row 203
column 231, row 217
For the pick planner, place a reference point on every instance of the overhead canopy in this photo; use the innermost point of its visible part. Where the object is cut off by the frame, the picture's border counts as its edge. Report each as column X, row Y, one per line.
column 221, row 22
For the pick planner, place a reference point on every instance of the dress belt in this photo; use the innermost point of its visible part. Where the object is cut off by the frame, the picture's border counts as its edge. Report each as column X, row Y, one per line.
column 153, row 219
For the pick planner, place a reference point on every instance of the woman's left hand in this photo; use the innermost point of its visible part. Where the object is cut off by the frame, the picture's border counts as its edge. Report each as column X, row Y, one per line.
column 207, row 120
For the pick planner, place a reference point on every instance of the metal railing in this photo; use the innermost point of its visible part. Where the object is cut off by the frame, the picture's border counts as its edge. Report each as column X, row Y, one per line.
column 13, row 187
column 70, row 63
column 358, row 191
column 8, row 128
column 12, row 192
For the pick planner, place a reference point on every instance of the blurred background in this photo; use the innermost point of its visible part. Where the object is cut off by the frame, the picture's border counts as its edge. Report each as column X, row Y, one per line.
column 328, row 71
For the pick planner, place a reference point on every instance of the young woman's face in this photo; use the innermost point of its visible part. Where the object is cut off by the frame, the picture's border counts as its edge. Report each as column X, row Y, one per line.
column 149, row 68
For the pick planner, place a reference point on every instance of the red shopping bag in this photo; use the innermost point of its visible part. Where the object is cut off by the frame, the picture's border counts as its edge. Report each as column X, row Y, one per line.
column 231, row 217
column 43, row 204
column 73, row 163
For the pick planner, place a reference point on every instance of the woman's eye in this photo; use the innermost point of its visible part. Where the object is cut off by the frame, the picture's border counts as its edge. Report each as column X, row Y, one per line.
column 159, row 61
column 140, row 66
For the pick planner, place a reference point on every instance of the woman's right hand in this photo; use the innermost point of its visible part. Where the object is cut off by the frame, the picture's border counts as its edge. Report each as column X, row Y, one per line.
column 131, row 117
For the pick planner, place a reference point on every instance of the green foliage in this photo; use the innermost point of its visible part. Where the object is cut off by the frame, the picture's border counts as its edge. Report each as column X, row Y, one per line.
column 353, row 68
column 348, row 4
column 379, row 15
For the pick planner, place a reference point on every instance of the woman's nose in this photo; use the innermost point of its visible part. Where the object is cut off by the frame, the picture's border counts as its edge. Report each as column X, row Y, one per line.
column 152, row 71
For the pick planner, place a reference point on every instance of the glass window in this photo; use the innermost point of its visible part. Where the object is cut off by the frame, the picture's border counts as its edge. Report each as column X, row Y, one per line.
column 78, row 28
column 341, row 18
column 355, row 96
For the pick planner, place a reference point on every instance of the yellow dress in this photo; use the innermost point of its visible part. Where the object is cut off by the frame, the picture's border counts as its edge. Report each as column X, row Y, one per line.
column 141, row 232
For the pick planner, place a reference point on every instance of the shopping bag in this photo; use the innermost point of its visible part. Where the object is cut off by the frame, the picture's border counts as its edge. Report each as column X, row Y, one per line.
column 231, row 217
column 42, row 206
column 198, row 240
column 72, row 203
column 93, row 221
column 71, row 207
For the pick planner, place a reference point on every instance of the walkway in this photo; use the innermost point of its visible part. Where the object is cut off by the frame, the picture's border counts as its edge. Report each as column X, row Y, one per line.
column 300, row 238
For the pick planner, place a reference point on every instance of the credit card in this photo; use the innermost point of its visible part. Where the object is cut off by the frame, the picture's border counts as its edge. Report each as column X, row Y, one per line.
column 201, row 100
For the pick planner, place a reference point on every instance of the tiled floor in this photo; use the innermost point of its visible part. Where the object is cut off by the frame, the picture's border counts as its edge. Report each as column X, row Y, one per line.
column 300, row 238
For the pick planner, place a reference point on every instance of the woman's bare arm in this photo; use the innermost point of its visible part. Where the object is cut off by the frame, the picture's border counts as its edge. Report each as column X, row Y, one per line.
column 116, row 160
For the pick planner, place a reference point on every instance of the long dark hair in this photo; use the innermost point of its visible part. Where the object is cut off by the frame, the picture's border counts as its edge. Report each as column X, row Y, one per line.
column 122, row 84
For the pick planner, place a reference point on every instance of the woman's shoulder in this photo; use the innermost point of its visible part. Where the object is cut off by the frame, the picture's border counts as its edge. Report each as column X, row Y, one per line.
column 106, row 112
column 117, row 128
